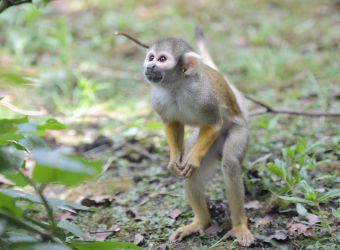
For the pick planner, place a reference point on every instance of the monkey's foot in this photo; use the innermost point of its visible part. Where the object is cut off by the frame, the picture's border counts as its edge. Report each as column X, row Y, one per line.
column 242, row 234
column 185, row 231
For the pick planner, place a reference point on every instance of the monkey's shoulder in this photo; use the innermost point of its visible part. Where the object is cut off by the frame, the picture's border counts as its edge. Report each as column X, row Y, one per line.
column 226, row 93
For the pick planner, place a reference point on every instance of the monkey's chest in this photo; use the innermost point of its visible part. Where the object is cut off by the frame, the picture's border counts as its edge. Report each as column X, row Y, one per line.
column 184, row 107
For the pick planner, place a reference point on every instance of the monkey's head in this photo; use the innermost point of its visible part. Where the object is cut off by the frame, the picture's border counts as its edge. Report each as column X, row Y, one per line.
column 168, row 60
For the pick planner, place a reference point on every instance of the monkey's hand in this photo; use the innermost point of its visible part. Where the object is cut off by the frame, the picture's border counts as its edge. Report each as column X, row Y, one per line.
column 188, row 167
column 175, row 166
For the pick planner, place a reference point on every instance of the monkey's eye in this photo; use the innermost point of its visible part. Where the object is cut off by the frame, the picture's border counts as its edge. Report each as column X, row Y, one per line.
column 162, row 59
column 151, row 57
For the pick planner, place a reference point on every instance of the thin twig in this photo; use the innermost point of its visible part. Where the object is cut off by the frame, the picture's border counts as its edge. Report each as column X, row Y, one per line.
column 102, row 232
column 154, row 195
column 269, row 109
column 6, row 103
column 140, row 151
column 132, row 39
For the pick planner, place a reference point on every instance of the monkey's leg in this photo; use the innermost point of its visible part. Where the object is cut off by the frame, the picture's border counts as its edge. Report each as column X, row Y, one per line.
column 233, row 153
column 196, row 198
column 194, row 189
column 175, row 135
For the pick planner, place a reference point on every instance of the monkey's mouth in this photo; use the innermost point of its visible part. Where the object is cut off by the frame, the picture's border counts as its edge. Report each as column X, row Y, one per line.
column 153, row 76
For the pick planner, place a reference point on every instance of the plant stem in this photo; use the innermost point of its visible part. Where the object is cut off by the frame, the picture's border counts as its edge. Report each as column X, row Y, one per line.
column 48, row 208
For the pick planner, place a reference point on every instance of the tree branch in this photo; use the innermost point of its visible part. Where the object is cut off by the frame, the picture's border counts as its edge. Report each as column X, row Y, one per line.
column 5, row 4
column 269, row 109
column 132, row 39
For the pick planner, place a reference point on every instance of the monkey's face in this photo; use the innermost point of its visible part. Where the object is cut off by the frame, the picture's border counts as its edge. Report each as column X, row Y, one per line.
column 158, row 66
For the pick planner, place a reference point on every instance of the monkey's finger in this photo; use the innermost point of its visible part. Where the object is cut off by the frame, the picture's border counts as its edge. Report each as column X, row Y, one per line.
column 226, row 236
column 185, row 171
column 175, row 237
column 190, row 172
column 174, row 170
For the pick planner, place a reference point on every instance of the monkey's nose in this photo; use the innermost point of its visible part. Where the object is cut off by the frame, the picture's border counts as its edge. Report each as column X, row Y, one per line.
column 152, row 67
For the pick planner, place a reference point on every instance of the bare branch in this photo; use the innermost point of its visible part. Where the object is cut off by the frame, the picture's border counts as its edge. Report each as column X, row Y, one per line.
column 269, row 109
column 132, row 39
column 4, row 4
column 6, row 102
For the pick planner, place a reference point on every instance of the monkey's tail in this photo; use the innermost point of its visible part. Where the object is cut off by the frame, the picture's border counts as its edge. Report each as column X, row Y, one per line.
column 203, row 49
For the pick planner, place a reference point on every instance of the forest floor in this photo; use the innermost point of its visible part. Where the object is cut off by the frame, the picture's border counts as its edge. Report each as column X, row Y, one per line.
column 67, row 62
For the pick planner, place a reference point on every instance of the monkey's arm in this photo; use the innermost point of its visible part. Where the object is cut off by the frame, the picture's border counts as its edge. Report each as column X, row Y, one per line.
column 175, row 135
column 206, row 138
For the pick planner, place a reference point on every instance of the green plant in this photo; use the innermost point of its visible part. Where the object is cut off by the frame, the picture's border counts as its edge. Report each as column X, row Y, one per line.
column 20, row 141
column 291, row 178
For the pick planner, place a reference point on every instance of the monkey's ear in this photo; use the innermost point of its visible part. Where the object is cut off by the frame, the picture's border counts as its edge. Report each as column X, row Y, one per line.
column 191, row 61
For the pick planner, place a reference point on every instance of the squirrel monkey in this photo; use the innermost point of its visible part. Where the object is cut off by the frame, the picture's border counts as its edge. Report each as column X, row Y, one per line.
column 187, row 89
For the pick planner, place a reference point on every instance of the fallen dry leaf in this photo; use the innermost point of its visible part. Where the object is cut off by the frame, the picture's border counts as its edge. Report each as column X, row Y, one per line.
column 299, row 228
column 278, row 235
column 253, row 205
column 260, row 222
column 133, row 212
column 214, row 230
column 138, row 239
column 101, row 236
column 175, row 213
column 97, row 200
column 312, row 218
column 162, row 247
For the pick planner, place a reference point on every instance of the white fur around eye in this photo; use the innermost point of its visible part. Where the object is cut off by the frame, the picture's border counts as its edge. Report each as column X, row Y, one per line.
column 146, row 60
column 168, row 64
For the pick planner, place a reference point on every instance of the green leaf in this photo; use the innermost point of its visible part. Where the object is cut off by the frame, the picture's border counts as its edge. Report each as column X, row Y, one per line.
column 10, row 158
column 301, row 210
column 40, row 3
column 51, row 124
column 20, row 237
column 8, row 125
column 308, row 191
column 72, row 228
column 335, row 193
column 3, row 226
column 38, row 246
column 336, row 213
column 154, row 125
column 7, row 204
column 295, row 200
column 53, row 167
column 277, row 170
column 62, row 204
column 105, row 245
column 4, row 138
column 15, row 177
column 17, row 145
